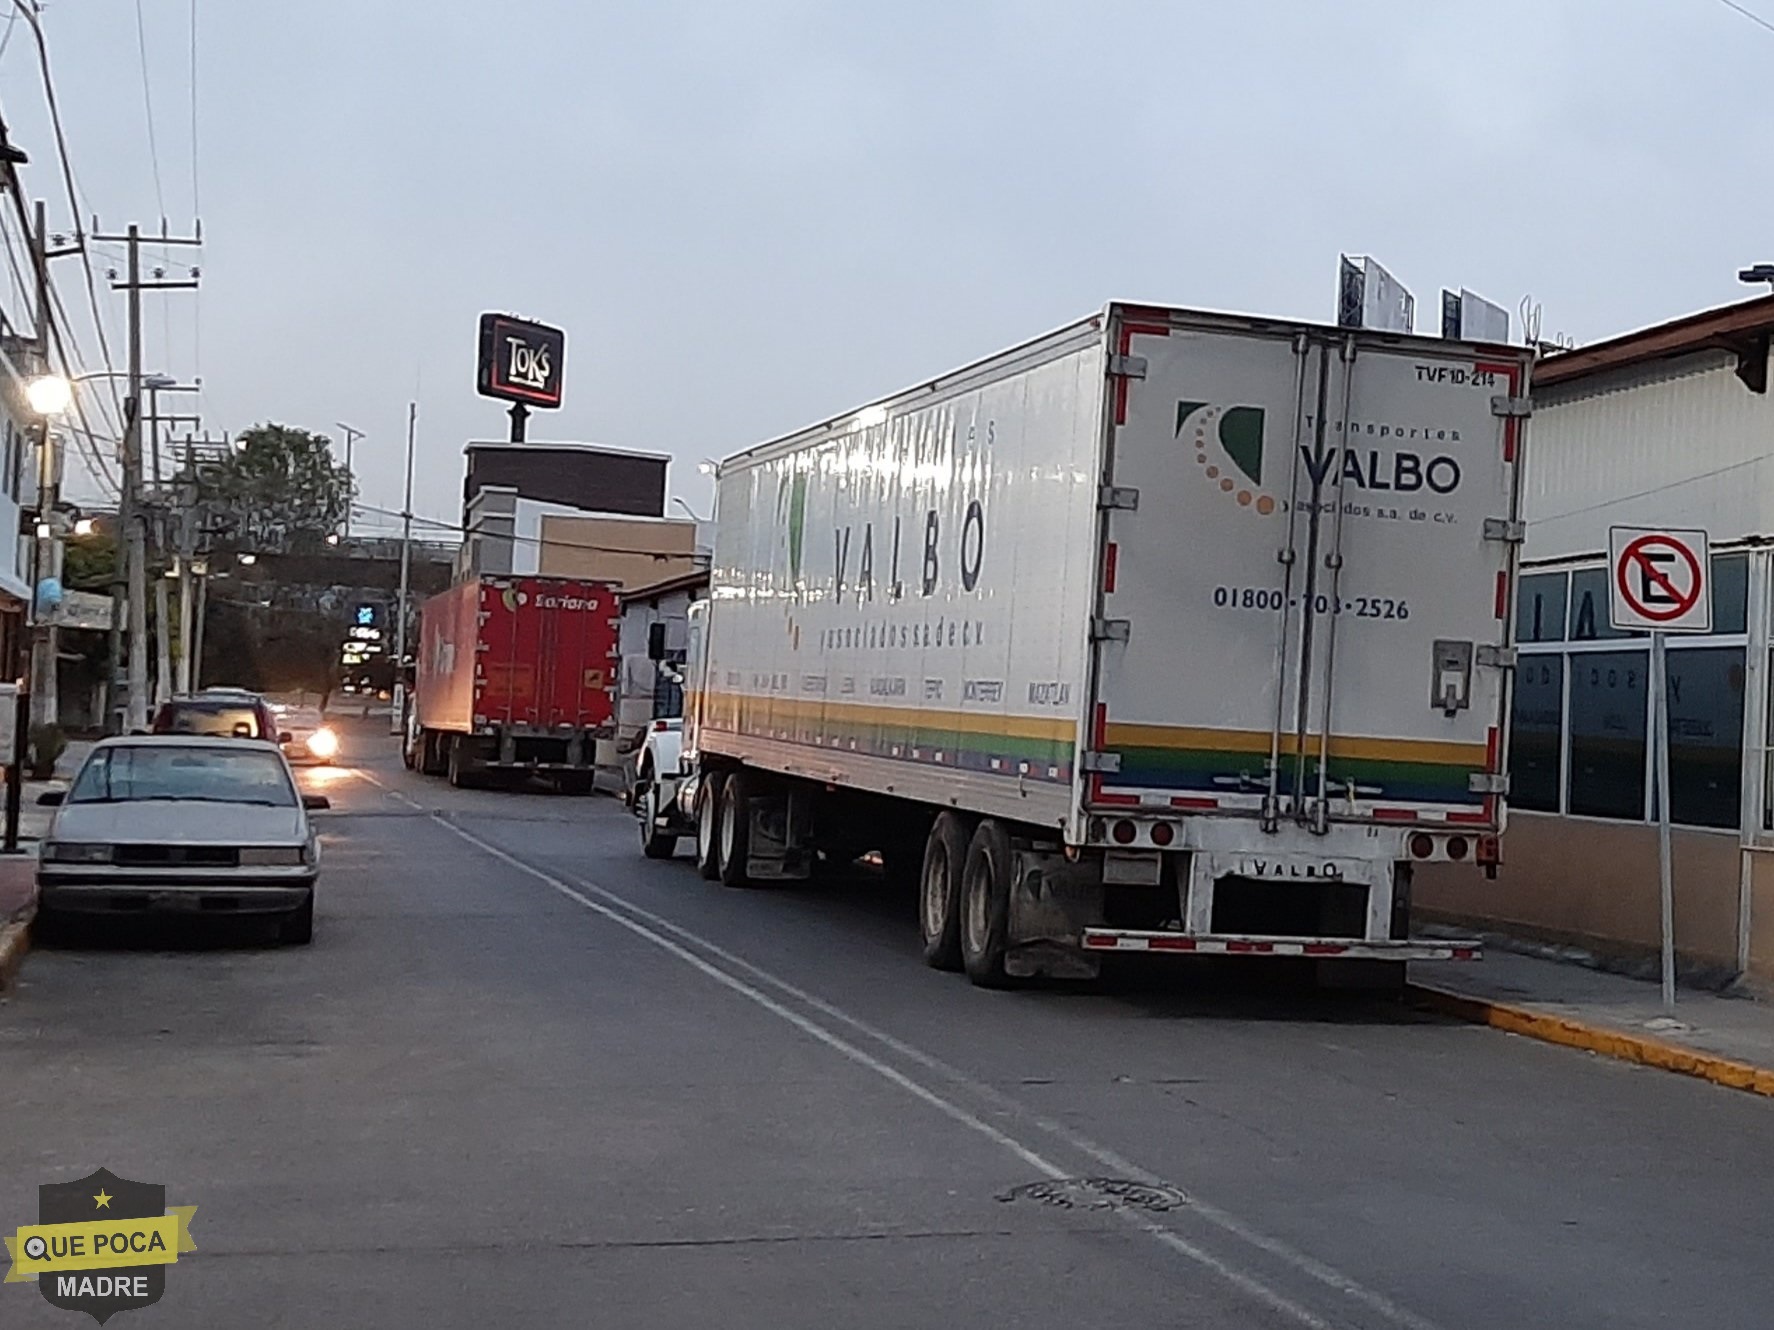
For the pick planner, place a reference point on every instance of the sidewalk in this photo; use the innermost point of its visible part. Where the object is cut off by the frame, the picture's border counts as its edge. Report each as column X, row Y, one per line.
column 1725, row 1039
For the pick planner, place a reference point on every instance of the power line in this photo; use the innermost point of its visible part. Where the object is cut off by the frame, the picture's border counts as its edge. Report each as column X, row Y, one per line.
column 440, row 525
column 1655, row 489
column 148, row 106
column 29, row 10
column 1749, row 14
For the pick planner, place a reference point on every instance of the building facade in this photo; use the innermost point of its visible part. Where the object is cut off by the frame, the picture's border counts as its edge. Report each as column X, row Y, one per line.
column 1672, row 426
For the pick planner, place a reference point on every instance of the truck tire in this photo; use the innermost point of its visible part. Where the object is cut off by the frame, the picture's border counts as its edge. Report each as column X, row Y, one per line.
column 733, row 843
column 985, row 906
column 458, row 765
column 655, row 844
column 708, row 817
column 939, row 890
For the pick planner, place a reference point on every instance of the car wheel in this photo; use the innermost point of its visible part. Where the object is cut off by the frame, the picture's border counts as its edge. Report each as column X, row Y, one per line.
column 298, row 927
column 655, row 844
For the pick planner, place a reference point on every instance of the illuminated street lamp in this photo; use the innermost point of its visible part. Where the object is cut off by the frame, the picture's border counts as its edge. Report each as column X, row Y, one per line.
column 49, row 395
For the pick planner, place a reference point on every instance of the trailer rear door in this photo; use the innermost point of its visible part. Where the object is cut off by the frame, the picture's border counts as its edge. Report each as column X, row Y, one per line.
column 1304, row 614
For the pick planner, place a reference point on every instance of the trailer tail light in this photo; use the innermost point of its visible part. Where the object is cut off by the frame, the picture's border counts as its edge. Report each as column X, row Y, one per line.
column 1490, row 851
column 1422, row 846
column 1124, row 832
column 1457, row 847
column 661, row 726
column 1163, row 834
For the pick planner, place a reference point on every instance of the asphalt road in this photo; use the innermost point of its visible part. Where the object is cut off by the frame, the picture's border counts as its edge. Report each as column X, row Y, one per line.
column 524, row 1077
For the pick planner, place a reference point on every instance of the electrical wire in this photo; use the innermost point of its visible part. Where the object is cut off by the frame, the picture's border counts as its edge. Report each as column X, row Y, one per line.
column 1655, row 489
column 148, row 107
column 440, row 525
column 28, row 8
column 1749, row 14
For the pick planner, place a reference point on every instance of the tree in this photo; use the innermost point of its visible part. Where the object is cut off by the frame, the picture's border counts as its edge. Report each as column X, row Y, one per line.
column 280, row 490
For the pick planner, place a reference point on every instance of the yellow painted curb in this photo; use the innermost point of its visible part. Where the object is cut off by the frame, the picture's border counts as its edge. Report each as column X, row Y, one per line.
column 15, row 941
column 1611, row 1043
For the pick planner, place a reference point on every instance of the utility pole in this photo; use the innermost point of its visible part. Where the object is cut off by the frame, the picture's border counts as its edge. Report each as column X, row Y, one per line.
column 133, row 583
column 45, row 640
column 351, row 437
column 397, row 723
column 188, row 522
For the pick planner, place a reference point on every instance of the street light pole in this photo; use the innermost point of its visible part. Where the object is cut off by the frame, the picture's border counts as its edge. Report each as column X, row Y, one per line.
column 351, row 437
column 397, row 724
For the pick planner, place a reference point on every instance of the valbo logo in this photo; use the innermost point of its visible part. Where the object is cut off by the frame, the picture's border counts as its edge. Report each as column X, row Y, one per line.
column 1228, row 443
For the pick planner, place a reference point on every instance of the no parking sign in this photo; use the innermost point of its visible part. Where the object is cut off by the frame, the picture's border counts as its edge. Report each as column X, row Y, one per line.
column 1658, row 580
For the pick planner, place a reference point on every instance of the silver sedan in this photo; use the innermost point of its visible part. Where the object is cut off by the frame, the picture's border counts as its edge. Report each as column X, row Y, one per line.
column 182, row 823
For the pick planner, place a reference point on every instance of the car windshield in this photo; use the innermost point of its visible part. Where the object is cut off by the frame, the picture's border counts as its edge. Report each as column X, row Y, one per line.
column 222, row 718
column 195, row 773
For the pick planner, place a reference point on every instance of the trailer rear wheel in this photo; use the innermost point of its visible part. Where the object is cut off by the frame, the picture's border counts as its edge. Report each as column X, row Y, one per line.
column 985, row 906
column 708, row 813
column 939, row 890
column 734, row 842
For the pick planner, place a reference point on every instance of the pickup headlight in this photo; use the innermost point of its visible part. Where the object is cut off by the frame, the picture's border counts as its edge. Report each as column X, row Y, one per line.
column 323, row 743
column 266, row 856
column 71, row 852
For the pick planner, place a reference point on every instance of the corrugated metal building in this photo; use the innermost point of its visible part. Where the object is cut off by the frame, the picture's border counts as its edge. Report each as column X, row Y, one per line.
column 1671, row 426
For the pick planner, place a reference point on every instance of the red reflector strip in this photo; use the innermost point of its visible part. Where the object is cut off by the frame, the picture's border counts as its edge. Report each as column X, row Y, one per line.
column 1502, row 605
column 1323, row 949
column 1471, row 819
column 1171, row 943
column 1464, row 953
column 1117, row 800
column 1395, row 814
column 1183, row 801
column 1110, row 557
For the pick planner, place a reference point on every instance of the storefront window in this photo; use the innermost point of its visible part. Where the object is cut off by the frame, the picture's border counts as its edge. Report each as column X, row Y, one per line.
column 1534, row 733
column 1540, row 608
column 1608, row 692
column 1730, row 594
column 1589, row 607
column 1706, row 736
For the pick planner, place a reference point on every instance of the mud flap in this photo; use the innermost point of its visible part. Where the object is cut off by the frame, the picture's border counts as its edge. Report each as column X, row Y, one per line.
column 779, row 847
column 1052, row 902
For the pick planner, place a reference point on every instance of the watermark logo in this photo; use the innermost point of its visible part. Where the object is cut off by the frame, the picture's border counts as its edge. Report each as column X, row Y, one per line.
column 100, row 1245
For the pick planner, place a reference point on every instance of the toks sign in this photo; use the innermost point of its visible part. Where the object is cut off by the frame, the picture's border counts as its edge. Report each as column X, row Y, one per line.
column 520, row 361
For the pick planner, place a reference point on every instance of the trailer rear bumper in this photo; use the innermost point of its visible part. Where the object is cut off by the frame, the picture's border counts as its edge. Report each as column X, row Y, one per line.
column 1227, row 944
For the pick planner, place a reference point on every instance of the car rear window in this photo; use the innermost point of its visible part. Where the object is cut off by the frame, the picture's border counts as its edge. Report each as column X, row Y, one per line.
column 218, row 718
column 210, row 774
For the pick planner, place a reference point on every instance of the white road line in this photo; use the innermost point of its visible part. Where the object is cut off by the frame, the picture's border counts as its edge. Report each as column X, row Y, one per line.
column 1247, row 1283
column 1303, row 1263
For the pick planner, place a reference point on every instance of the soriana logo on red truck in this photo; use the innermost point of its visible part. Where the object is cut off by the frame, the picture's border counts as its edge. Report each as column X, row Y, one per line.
column 547, row 651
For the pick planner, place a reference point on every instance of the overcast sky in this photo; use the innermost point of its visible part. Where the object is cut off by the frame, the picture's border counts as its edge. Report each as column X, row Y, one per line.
column 750, row 214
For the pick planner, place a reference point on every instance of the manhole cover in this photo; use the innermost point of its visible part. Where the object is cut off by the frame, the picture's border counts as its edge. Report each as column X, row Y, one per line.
column 1100, row 1194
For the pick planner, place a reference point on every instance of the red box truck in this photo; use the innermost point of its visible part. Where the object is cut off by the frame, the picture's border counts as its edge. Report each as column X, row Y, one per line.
column 514, row 674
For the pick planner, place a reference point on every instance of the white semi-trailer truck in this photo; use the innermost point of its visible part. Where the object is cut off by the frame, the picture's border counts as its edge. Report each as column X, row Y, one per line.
column 1169, row 631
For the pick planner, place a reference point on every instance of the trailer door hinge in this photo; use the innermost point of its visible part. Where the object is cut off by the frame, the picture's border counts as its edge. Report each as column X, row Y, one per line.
column 1118, row 496
column 1504, row 405
column 1110, row 630
column 1510, row 530
column 1499, row 658
column 1107, row 763
column 1488, row 782
column 1127, row 367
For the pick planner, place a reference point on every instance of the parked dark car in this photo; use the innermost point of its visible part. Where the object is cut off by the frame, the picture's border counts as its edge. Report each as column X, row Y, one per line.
column 221, row 714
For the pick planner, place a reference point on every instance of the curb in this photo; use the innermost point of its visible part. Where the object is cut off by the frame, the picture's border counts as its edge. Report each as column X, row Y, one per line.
column 15, row 941
column 1601, row 1039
